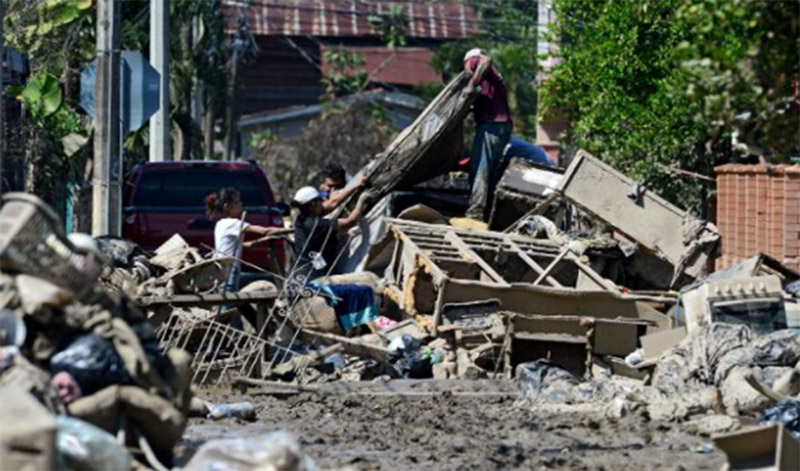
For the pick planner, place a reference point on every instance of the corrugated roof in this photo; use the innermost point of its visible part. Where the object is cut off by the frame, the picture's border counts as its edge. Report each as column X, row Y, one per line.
column 401, row 66
column 272, row 116
column 350, row 18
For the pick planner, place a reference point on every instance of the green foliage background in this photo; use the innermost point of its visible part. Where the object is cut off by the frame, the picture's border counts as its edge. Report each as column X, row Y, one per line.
column 653, row 85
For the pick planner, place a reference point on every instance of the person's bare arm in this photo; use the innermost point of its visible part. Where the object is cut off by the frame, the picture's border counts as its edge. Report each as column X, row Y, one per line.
column 337, row 197
column 484, row 64
column 267, row 238
column 352, row 218
column 269, row 231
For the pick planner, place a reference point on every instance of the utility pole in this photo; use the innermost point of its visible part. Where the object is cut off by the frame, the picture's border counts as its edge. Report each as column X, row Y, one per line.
column 2, row 103
column 242, row 44
column 231, row 121
column 159, row 58
column 198, row 91
column 107, row 179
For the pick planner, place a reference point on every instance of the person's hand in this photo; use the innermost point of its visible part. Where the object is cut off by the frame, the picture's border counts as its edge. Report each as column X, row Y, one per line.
column 362, row 181
column 66, row 386
column 468, row 91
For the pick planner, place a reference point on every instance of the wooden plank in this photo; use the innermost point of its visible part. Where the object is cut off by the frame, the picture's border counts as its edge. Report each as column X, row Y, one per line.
column 213, row 299
column 350, row 346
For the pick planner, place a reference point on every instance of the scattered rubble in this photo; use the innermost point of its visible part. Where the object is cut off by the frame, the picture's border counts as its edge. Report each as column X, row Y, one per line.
column 590, row 292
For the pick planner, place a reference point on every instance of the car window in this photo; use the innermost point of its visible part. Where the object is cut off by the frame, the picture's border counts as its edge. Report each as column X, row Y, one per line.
column 189, row 187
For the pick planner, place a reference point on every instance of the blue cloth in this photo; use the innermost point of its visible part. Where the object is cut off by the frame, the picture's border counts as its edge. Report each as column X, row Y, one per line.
column 521, row 148
column 486, row 166
column 354, row 305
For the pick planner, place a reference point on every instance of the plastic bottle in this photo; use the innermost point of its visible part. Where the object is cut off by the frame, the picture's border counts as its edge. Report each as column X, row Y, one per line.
column 240, row 410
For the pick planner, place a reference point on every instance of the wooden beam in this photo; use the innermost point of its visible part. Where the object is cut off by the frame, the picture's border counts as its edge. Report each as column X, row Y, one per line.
column 589, row 271
column 532, row 263
column 552, row 265
column 438, row 308
column 474, row 257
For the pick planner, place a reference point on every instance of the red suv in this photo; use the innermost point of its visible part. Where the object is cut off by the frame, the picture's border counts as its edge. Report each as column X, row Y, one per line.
column 166, row 198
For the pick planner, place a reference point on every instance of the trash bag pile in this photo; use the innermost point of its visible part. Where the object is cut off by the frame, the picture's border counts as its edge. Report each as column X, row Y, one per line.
column 86, row 354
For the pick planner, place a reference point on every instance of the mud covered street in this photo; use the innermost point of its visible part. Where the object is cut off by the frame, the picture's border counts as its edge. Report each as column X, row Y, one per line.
column 452, row 432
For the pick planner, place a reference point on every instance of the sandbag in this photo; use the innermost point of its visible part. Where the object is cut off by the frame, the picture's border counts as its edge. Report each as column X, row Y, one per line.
column 159, row 421
column 315, row 314
column 28, row 434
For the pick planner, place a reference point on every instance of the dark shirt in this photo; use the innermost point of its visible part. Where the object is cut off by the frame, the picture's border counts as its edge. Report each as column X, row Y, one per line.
column 315, row 234
column 491, row 104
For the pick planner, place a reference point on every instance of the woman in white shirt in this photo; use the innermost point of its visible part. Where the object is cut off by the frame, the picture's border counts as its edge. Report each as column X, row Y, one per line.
column 226, row 203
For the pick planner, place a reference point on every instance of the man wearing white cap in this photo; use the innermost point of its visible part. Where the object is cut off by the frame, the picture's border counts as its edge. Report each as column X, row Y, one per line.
column 316, row 238
column 493, row 129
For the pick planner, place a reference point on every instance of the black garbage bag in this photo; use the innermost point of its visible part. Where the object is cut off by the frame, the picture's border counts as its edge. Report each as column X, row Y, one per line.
column 411, row 360
column 93, row 362
column 120, row 251
column 786, row 412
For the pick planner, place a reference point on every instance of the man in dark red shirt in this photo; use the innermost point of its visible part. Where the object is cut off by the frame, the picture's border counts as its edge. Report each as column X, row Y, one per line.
column 493, row 129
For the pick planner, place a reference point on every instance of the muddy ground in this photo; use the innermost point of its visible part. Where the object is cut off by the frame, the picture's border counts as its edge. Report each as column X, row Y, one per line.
column 472, row 430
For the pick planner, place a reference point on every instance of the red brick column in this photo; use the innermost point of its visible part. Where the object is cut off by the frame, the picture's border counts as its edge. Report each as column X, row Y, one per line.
column 758, row 210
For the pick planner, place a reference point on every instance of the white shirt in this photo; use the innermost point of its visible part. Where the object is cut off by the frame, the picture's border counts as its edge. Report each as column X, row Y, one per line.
column 226, row 236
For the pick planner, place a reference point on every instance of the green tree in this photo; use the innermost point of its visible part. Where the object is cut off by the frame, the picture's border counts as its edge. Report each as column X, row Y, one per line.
column 656, row 85
column 346, row 73
column 391, row 26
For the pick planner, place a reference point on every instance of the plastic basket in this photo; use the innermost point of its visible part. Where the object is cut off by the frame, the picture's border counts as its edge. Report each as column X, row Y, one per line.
column 32, row 242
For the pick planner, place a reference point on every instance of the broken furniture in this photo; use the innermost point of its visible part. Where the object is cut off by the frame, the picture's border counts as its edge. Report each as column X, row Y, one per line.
column 771, row 447
column 673, row 246
column 523, row 187
column 568, row 341
column 436, row 265
column 426, row 148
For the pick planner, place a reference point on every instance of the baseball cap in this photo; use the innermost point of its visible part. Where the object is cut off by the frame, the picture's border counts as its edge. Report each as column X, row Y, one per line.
column 306, row 195
column 472, row 53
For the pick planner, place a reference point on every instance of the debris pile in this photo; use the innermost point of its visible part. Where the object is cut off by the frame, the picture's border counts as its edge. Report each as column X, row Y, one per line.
column 78, row 350
column 590, row 291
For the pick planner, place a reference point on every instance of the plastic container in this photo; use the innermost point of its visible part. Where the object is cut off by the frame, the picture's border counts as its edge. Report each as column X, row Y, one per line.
column 82, row 446
column 32, row 241
column 239, row 410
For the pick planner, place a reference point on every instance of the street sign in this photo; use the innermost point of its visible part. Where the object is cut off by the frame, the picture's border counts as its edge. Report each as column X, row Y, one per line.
column 139, row 83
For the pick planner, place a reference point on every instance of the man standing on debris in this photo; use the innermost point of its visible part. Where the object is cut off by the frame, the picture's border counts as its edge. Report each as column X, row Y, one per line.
column 332, row 187
column 493, row 129
column 226, row 203
column 316, row 238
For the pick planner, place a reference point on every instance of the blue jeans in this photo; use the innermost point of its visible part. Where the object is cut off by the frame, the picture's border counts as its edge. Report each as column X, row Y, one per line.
column 486, row 166
column 232, row 286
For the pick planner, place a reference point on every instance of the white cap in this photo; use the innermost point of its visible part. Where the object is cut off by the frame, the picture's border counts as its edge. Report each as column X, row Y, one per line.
column 472, row 53
column 306, row 195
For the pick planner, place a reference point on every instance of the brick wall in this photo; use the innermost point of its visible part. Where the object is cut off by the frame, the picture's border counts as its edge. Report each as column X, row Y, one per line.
column 758, row 210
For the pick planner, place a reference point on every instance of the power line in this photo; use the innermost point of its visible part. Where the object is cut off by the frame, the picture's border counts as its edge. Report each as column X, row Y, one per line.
column 462, row 19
